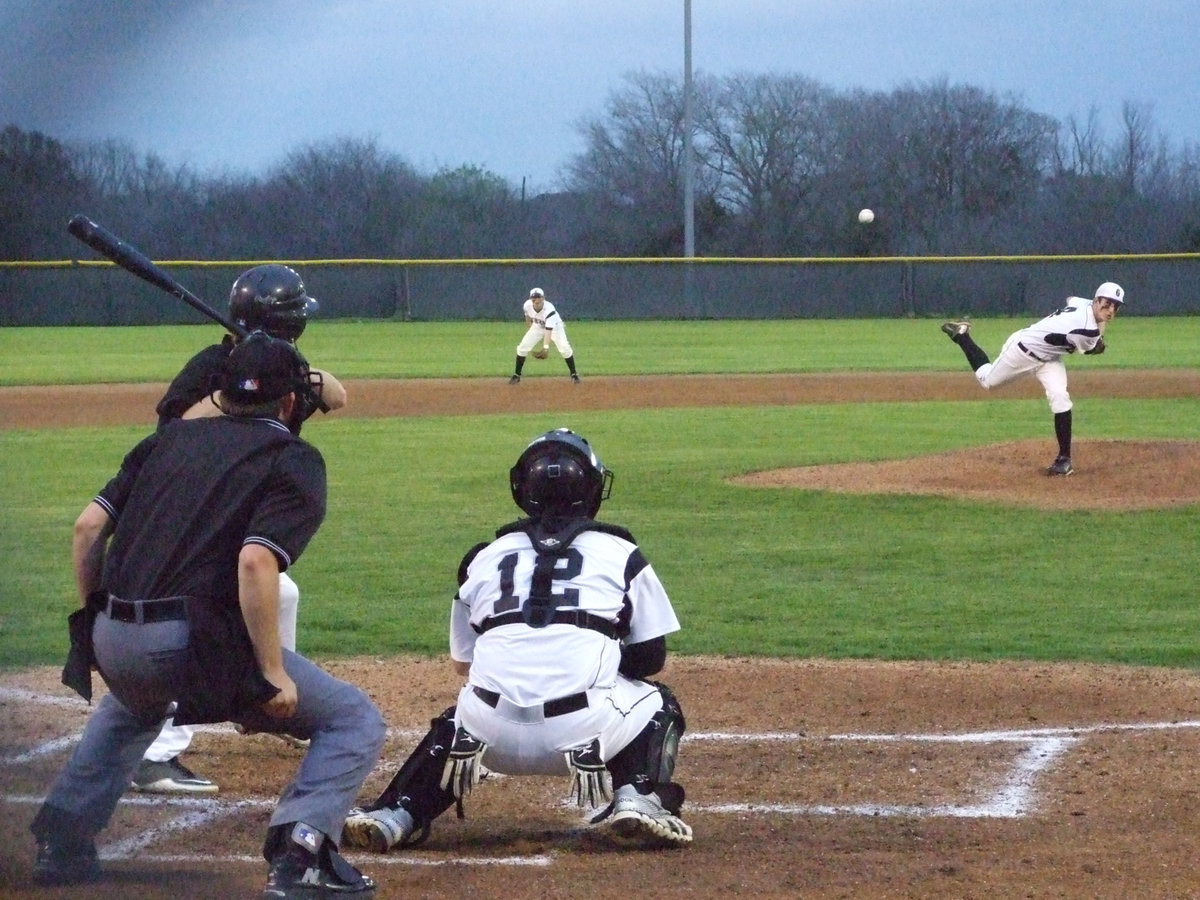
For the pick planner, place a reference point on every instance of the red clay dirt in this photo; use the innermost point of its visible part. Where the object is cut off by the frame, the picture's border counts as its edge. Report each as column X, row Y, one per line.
column 807, row 778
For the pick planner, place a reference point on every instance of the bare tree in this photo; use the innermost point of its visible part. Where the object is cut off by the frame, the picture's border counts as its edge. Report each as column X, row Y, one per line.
column 38, row 188
column 343, row 197
column 769, row 146
column 631, row 169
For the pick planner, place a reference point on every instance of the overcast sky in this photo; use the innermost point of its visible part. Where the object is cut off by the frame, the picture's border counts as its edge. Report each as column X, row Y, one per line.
column 234, row 85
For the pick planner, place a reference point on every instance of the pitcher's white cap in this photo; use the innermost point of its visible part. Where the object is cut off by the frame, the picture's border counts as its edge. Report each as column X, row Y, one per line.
column 1111, row 291
column 538, row 292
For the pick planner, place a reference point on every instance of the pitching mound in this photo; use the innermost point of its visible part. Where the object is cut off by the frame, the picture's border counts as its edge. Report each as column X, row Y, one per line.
column 1114, row 475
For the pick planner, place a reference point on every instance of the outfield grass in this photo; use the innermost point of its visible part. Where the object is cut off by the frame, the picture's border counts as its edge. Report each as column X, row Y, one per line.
column 751, row 571
column 392, row 349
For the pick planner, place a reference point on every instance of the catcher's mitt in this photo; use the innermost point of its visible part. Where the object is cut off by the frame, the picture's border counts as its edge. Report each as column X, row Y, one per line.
column 540, row 353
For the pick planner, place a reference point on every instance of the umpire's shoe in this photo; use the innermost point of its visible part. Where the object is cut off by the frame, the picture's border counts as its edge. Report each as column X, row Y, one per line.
column 65, row 863
column 305, row 866
column 642, row 817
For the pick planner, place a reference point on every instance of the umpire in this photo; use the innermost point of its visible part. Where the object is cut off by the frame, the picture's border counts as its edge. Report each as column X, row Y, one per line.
column 177, row 562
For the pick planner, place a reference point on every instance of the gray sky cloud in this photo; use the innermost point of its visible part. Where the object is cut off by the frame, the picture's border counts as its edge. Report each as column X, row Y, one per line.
column 234, row 86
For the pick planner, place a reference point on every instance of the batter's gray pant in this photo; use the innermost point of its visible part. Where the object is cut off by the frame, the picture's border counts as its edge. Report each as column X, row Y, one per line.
column 346, row 728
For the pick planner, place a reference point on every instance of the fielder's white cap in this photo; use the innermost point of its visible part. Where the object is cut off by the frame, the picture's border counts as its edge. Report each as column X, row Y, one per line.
column 537, row 292
column 1110, row 290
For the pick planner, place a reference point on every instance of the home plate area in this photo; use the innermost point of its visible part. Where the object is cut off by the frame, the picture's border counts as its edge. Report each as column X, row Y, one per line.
column 1094, row 806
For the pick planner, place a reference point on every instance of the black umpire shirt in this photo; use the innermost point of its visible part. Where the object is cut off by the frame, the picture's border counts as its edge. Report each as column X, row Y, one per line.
column 190, row 495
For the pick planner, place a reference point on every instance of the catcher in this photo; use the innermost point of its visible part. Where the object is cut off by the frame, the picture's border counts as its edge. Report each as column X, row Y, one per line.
column 543, row 324
column 556, row 626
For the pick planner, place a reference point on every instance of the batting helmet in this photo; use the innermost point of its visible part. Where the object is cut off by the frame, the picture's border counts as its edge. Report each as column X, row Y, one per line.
column 271, row 298
column 559, row 474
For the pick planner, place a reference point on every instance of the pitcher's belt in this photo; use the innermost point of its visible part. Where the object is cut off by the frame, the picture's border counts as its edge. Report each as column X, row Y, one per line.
column 1029, row 352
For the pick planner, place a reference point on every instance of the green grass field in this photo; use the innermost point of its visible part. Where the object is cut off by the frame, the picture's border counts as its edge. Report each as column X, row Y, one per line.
column 751, row 571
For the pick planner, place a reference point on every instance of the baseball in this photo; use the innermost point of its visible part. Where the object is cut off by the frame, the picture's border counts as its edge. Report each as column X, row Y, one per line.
column 866, row 216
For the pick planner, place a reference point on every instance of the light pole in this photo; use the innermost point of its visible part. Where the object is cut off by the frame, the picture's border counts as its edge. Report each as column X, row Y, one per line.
column 689, row 200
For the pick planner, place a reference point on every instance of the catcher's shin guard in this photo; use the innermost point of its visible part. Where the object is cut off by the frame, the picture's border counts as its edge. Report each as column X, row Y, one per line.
column 417, row 786
column 648, row 761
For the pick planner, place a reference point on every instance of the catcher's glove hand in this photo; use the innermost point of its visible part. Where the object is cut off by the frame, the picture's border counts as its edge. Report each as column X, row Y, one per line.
column 540, row 353
column 1098, row 349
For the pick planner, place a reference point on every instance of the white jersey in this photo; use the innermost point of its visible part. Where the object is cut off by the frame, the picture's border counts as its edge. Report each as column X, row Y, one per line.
column 1073, row 327
column 547, row 318
column 600, row 575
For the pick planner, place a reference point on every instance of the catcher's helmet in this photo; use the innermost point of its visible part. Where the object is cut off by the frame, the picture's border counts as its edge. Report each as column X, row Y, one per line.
column 262, row 368
column 559, row 474
column 271, row 298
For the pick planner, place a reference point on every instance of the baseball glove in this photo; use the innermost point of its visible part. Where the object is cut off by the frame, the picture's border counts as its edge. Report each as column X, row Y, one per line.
column 1098, row 349
column 540, row 353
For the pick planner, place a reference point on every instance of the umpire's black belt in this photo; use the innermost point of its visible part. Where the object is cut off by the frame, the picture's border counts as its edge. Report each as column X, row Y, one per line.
column 1029, row 352
column 166, row 609
column 550, row 709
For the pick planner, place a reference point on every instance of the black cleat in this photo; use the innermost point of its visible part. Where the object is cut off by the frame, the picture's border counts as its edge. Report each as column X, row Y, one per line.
column 955, row 329
column 65, row 863
column 1060, row 466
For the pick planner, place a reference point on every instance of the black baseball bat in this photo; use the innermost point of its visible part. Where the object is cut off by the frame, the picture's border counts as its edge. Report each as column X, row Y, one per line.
column 133, row 260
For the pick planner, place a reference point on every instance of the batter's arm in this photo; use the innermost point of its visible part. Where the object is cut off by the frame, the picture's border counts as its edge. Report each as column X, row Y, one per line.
column 202, row 409
column 88, row 543
column 331, row 391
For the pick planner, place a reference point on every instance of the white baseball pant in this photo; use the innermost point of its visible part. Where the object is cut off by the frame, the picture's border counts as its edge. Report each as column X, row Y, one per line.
column 522, row 741
column 536, row 335
column 1014, row 361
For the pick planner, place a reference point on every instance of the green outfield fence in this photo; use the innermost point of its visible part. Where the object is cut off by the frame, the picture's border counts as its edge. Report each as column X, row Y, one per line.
column 96, row 292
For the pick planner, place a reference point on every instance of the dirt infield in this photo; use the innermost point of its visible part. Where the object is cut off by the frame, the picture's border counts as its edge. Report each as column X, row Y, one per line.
column 804, row 778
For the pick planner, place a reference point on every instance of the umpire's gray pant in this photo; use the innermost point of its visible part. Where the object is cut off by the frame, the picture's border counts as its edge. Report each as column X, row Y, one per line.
column 346, row 728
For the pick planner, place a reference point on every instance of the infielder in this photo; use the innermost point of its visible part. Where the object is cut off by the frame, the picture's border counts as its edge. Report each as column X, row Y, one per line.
column 177, row 564
column 1040, row 348
column 270, row 298
column 543, row 324
column 557, row 625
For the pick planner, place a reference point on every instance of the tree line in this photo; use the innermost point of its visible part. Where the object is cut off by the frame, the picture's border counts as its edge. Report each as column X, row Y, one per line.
column 782, row 164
